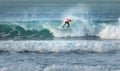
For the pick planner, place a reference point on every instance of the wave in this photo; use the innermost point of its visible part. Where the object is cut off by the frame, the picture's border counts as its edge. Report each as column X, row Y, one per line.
column 111, row 31
column 13, row 31
column 48, row 29
column 59, row 46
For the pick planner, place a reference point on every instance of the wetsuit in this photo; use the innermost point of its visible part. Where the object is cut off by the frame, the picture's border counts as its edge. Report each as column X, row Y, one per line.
column 67, row 23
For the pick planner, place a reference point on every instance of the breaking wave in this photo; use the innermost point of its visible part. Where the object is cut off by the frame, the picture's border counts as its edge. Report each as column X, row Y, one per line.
column 110, row 31
column 48, row 29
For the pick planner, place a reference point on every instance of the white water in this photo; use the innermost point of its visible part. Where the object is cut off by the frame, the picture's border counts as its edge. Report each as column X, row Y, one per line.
column 60, row 46
column 80, row 68
column 111, row 31
column 29, row 67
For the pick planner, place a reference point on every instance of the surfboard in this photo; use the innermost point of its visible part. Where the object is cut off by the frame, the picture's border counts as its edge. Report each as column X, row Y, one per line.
column 65, row 28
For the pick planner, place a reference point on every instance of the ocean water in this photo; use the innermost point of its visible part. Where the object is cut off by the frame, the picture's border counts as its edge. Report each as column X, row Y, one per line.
column 31, row 40
column 60, row 55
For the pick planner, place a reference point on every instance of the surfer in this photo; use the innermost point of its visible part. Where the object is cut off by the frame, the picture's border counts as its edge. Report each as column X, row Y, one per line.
column 66, row 23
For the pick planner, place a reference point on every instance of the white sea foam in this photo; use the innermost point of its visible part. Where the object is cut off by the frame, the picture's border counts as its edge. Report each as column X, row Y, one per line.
column 80, row 68
column 59, row 46
column 30, row 67
column 111, row 31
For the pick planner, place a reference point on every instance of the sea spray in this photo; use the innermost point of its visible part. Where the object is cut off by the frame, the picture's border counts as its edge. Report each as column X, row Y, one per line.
column 111, row 31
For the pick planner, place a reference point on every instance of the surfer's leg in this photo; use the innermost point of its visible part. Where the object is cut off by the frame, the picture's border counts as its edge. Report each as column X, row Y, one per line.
column 68, row 25
column 64, row 25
